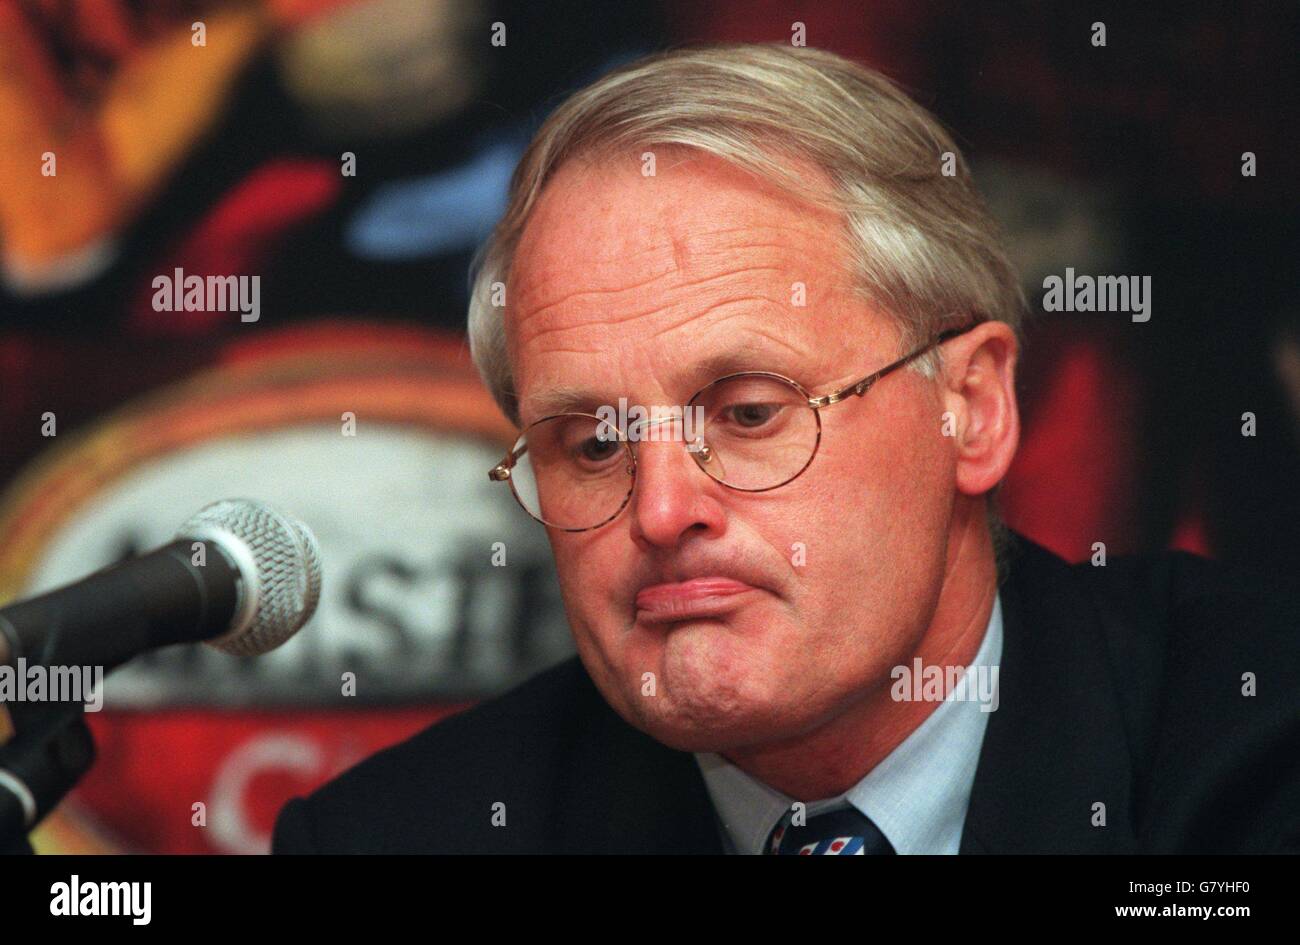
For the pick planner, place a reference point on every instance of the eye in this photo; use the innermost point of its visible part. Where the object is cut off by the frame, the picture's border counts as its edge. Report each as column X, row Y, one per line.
column 751, row 416
column 597, row 450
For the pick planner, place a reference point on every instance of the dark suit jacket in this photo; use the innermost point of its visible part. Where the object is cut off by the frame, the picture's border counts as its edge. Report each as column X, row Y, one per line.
column 1120, row 685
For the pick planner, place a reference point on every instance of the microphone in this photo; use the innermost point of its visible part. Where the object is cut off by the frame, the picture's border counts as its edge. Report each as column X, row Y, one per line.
column 251, row 585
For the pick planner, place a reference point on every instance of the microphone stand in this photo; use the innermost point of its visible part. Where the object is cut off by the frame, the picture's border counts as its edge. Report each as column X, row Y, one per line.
column 51, row 751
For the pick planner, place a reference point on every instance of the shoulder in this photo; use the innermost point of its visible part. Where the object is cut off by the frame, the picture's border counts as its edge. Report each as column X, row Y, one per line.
column 1194, row 609
column 1167, row 601
column 1205, row 659
column 436, row 791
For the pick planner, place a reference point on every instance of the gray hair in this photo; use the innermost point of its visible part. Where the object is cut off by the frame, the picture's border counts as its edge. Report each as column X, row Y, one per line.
column 922, row 246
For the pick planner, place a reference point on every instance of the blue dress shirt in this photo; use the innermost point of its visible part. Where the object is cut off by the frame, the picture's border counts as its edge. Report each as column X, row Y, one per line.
column 917, row 795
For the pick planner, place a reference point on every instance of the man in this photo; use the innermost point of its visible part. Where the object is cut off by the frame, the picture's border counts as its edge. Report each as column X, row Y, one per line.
column 784, row 588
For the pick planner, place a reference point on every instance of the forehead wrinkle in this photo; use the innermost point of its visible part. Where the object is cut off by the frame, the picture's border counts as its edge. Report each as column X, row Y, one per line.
column 676, row 251
column 726, row 254
column 774, row 321
column 743, row 354
column 770, row 236
column 752, row 301
column 750, row 304
column 704, row 289
column 547, row 274
column 579, row 294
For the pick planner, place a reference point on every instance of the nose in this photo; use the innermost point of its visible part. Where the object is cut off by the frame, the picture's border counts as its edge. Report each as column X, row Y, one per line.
column 672, row 496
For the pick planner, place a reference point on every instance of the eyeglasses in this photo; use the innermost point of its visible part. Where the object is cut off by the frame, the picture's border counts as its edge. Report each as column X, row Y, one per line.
column 576, row 471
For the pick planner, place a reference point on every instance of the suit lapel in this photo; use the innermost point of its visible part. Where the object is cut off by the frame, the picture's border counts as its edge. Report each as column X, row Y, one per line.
column 624, row 792
column 1056, row 746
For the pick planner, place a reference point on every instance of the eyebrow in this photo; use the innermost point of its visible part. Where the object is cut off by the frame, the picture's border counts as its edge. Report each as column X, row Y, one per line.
column 566, row 399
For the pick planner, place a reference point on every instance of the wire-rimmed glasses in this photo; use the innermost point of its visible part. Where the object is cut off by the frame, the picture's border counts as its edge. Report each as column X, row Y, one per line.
column 752, row 431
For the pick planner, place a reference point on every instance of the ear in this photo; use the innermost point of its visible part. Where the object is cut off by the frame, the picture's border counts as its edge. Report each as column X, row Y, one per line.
column 980, row 390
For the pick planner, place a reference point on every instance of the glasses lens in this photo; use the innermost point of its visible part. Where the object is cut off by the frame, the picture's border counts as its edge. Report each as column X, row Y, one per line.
column 574, row 471
column 759, row 431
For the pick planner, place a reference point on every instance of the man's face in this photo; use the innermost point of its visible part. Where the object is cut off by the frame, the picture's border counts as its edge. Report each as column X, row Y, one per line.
column 623, row 285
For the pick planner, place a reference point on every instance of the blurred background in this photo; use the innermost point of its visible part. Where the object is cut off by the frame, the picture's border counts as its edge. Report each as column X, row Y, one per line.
column 353, row 154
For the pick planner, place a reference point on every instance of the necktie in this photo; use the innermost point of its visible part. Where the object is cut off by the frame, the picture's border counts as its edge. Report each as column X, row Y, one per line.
column 846, row 832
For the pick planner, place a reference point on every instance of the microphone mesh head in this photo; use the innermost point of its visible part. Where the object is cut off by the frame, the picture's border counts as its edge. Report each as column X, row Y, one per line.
column 280, row 562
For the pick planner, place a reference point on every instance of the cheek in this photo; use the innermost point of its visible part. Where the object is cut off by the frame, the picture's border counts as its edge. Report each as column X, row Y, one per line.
column 592, row 569
column 875, row 512
column 889, row 466
column 584, row 582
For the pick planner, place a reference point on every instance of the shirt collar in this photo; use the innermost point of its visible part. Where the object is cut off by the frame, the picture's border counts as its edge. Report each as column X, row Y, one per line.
column 917, row 795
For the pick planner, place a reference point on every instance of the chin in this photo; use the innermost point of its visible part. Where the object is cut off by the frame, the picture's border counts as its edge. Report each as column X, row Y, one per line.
column 711, row 726
column 715, row 705
column 717, row 683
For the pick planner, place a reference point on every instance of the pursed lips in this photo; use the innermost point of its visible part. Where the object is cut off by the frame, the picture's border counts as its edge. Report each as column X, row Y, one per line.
column 706, row 596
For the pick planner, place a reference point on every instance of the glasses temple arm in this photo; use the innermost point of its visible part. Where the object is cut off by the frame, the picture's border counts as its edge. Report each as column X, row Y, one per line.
column 501, row 471
column 860, row 388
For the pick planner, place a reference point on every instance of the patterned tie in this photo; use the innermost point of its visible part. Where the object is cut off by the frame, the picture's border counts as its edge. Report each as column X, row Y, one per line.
column 846, row 832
